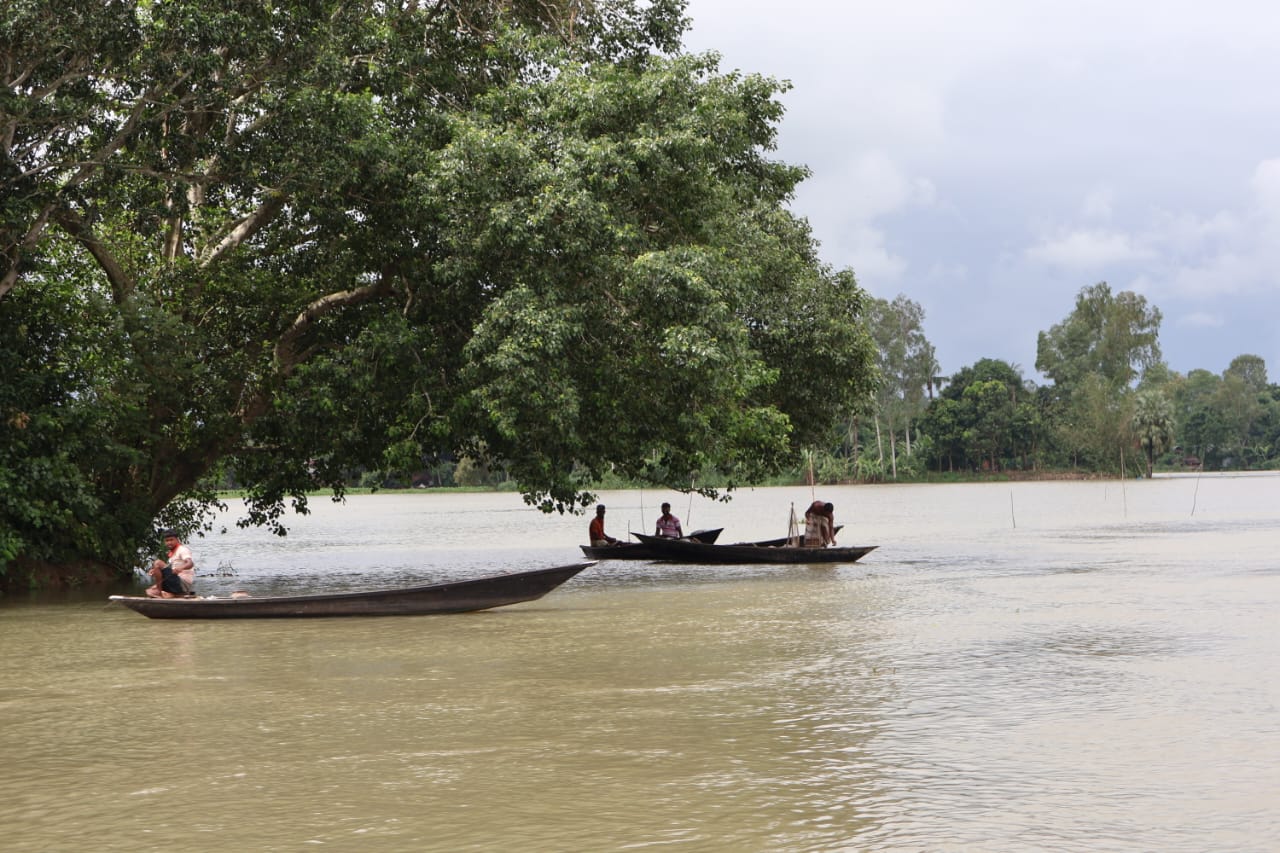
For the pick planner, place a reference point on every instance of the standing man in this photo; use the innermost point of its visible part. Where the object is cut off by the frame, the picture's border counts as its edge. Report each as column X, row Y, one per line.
column 175, row 577
column 668, row 524
column 596, row 533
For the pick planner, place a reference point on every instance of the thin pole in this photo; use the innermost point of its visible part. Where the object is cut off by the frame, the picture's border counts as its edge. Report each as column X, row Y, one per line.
column 1011, row 515
column 812, row 494
column 1124, row 495
column 688, row 514
column 1196, row 493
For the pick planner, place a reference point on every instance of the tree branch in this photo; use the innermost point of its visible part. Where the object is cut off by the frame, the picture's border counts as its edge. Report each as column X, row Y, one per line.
column 286, row 354
column 245, row 228
column 82, row 173
column 122, row 283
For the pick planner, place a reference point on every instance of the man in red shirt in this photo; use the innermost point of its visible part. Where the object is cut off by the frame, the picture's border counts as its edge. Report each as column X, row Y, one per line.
column 596, row 533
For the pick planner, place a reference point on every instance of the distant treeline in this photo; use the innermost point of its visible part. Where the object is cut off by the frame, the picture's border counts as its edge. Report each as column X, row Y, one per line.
column 1112, row 405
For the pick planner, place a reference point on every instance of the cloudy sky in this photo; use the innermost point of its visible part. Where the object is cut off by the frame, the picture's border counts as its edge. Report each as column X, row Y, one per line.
column 989, row 159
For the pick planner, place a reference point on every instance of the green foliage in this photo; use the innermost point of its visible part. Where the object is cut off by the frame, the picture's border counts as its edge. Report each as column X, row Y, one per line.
column 294, row 242
column 991, row 418
column 1228, row 420
column 906, row 367
column 872, row 469
column 987, row 416
column 49, row 424
column 1251, row 370
column 474, row 474
column 1092, row 418
column 1111, row 336
column 1153, row 424
column 1094, row 358
column 944, row 423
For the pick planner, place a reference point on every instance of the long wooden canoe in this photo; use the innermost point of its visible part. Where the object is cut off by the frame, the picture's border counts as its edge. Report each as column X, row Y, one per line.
column 452, row 597
column 685, row 551
column 639, row 551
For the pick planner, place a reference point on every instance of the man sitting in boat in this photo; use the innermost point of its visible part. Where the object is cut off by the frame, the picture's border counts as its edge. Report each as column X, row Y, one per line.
column 668, row 524
column 595, row 532
column 819, row 525
column 175, row 577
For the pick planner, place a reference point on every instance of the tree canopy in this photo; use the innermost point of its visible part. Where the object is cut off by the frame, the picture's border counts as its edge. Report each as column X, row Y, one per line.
column 1114, row 336
column 906, row 365
column 290, row 240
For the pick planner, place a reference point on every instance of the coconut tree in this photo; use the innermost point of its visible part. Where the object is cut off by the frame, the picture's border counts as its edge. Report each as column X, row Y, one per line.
column 1153, row 424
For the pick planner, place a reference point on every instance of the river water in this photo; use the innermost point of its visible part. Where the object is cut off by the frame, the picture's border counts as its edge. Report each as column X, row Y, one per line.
column 1035, row 666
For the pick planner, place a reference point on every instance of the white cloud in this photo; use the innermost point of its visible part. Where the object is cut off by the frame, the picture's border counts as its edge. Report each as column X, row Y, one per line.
column 1201, row 320
column 874, row 264
column 1098, row 203
column 964, row 154
column 951, row 274
column 1226, row 274
column 1087, row 250
column 923, row 192
column 1266, row 194
column 844, row 206
column 866, row 186
column 1266, row 188
column 1187, row 233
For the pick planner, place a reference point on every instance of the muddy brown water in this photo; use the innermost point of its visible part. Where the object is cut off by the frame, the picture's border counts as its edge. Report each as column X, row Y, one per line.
column 1068, row 666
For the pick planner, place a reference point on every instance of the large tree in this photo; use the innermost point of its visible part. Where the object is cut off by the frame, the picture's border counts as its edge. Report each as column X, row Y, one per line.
column 1113, row 336
column 1252, row 371
column 1095, row 357
column 1096, row 427
column 987, row 415
column 1200, row 427
column 294, row 239
column 907, row 365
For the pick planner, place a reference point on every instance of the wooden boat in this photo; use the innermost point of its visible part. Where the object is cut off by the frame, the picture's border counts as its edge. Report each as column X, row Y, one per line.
column 452, row 597
column 686, row 551
column 639, row 551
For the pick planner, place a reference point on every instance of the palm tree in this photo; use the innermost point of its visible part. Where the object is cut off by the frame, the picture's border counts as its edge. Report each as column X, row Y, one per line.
column 1153, row 424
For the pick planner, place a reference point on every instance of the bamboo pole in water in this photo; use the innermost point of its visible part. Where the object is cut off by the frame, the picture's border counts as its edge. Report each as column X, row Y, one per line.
column 688, row 513
column 1124, row 495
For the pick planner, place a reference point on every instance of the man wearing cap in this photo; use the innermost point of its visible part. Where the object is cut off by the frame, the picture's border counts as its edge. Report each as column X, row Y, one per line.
column 596, row 533
column 668, row 524
column 174, row 578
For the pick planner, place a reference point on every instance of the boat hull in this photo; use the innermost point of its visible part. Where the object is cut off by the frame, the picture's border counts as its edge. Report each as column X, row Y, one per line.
column 640, row 551
column 453, row 597
column 685, row 551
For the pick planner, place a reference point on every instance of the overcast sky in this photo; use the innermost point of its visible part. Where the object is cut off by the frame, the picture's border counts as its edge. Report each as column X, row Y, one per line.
column 989, row 159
